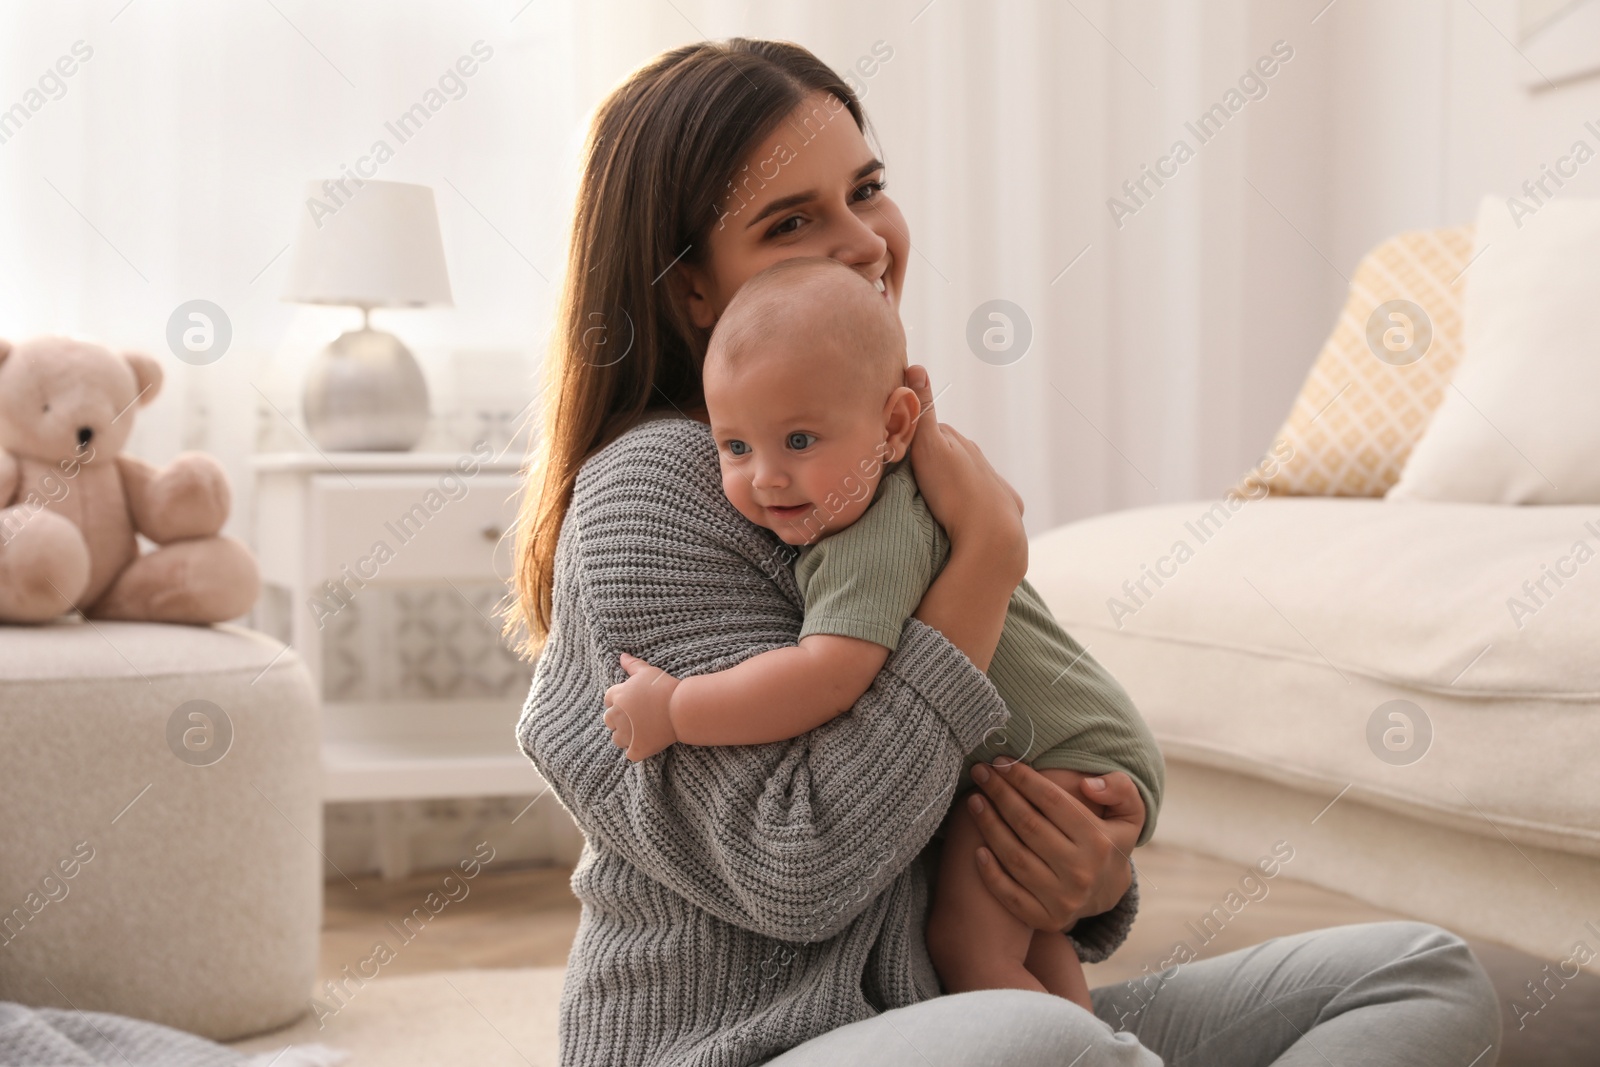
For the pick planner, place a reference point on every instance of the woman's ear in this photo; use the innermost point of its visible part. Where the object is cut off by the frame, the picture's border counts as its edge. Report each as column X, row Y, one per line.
column 694, row 289
column 900, row 414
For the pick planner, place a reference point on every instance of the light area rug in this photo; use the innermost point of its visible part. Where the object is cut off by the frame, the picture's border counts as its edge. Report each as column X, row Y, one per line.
column 487, row 1018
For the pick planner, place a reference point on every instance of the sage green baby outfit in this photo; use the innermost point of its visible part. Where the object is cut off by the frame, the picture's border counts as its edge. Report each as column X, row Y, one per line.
column 1066, row 712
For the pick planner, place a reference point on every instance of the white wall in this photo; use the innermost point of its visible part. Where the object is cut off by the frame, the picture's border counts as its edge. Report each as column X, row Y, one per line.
column 1430, row 113
column 1219, row 302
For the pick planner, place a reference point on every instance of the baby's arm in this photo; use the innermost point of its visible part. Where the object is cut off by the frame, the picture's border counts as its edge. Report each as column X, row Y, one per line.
column 796, row 689
column 860, row 585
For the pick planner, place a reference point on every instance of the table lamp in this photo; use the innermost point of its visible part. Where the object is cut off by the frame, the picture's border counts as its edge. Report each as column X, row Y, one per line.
column 370, row 245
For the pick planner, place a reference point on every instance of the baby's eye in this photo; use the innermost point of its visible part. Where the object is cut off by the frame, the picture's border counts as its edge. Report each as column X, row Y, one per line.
column 801, row 441
column 738, row 448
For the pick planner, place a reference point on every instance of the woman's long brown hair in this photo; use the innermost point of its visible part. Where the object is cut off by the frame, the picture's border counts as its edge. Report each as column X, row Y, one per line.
column 659, row 163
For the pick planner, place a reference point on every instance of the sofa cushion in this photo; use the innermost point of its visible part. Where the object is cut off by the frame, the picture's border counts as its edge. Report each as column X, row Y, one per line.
column 1358, row 415
column 1267, row 637
column 1519, row 423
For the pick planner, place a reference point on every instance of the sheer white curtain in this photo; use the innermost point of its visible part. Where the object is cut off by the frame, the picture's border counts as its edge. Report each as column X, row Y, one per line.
column 170, row 164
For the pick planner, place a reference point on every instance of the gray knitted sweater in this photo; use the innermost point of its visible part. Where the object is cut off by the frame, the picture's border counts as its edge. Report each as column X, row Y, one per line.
column 737, row 901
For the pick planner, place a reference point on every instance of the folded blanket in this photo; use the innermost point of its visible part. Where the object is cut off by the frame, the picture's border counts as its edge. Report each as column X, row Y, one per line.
column 55, row 1037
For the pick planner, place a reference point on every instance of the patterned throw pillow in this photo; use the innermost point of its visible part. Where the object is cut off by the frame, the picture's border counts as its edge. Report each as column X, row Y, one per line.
column 1382, row 371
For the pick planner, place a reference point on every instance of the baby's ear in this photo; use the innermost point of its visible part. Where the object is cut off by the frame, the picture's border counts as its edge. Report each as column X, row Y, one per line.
column 148, row 373
column 901, row 413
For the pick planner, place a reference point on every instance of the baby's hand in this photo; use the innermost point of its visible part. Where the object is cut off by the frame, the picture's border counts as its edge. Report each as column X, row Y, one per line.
column 637, row 709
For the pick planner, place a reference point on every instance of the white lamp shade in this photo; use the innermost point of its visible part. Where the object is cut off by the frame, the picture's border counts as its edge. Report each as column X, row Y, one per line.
column 377, row 245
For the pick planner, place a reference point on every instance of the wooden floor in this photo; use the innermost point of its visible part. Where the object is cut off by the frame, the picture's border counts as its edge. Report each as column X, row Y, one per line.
column 527, row 918
column 507, row 918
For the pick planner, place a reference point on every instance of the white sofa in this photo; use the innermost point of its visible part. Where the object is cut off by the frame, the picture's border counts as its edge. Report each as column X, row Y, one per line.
column 1261, row 659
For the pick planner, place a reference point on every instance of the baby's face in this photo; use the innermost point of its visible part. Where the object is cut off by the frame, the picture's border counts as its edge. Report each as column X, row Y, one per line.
column 802, row 449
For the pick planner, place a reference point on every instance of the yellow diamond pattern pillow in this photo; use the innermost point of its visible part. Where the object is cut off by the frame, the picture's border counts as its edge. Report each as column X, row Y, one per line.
column 1379, row 376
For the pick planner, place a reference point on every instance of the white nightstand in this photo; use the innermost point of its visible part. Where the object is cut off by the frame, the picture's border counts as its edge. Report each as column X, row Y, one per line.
column 383, row 571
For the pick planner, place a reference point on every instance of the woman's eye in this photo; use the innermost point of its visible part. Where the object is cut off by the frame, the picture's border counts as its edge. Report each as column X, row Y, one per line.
column 783, row 227
column 738, row 448
column 801, row 441
column 870, row 189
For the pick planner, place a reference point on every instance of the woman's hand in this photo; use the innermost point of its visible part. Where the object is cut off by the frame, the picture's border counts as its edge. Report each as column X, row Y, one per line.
column 1058, row 861
column 975, row 505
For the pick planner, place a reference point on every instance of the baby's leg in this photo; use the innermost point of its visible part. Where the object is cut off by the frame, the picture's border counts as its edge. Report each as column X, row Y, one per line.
column 974, row 941
column 1053, row 960
column 1051, row 956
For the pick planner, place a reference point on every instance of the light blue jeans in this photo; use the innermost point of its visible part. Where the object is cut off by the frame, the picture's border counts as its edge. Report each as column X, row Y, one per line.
column 1400, row 993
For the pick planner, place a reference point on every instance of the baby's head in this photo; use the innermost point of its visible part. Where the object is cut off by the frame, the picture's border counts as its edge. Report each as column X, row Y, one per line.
column 804, row 385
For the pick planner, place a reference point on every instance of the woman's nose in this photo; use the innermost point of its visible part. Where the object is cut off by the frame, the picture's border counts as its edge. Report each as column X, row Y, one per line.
column 859, row 245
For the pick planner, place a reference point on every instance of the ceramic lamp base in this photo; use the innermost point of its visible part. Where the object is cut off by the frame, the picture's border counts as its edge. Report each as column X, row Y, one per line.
column 365, row 393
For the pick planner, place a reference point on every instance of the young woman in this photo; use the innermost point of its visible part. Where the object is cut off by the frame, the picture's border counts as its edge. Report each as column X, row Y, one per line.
column 766, row 903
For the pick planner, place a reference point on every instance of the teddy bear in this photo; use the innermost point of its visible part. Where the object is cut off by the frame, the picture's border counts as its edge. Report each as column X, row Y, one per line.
column 71, row 502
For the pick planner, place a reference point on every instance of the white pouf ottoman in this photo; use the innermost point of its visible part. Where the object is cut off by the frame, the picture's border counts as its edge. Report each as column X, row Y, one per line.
column 160, row 824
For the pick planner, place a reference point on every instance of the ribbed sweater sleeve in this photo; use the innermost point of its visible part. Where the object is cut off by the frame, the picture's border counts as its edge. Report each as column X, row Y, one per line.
column 788, row 840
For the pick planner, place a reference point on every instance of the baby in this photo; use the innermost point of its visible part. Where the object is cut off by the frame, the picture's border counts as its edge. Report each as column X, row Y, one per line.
column 804, row 389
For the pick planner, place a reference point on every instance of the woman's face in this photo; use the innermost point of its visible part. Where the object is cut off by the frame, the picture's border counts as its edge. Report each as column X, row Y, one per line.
column 812, row 188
